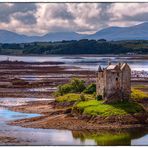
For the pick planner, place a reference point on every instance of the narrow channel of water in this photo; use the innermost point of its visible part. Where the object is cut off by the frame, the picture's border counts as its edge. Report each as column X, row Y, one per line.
column 31, row 136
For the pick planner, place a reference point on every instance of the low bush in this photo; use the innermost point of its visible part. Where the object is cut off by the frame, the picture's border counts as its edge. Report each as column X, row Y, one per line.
column 64, row 89
column 75, row 86
column 90, row 89
column 82, row 97
column 99, row 97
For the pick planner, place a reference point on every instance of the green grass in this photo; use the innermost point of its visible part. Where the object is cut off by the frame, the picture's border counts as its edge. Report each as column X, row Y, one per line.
column 94, row 107
column 72, row 97
column 138, row 94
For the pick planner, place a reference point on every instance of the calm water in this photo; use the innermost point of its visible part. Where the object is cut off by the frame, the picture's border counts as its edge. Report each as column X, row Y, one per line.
column 7, row 101
column 88, row 62
column 30, row 136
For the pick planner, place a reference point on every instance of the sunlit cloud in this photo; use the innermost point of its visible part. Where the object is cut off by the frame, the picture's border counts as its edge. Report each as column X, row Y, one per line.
column 41, row 18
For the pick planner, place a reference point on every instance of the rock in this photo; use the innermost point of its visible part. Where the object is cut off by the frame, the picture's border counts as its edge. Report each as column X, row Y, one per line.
column 67, row 111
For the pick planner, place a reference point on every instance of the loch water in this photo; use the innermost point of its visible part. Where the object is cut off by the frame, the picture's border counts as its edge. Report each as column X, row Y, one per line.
column 31, row 136
column 90, row 62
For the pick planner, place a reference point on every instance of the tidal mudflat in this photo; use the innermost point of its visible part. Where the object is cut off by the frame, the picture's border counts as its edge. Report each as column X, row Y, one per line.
column 26, row 91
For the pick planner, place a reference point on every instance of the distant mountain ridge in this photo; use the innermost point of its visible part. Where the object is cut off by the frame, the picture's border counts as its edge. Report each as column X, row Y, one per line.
column 136, row 32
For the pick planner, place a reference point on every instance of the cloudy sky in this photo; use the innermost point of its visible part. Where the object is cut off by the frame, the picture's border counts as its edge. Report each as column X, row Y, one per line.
column 41, row 18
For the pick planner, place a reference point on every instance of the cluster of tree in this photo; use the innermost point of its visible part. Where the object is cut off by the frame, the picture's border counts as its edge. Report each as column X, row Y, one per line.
column 76, row 86
column 83, row 46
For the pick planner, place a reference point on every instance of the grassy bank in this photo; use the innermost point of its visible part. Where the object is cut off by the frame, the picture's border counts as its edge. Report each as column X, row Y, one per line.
column 86, row 102
column 94, row 107
column 73, row 97
column 138, row 94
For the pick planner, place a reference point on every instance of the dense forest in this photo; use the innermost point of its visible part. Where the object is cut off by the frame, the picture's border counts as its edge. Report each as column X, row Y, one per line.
column 83, row 46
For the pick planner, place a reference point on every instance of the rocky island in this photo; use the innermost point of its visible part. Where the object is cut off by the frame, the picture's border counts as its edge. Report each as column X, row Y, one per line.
column 78, row 106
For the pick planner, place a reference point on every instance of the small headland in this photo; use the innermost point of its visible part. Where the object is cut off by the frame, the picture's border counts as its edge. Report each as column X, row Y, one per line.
column 76, row 107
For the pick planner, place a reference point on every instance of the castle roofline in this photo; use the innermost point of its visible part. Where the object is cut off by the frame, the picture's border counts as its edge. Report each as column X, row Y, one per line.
column 124, row 65
column 114, row 67
column 100, row 69
column 111, row 67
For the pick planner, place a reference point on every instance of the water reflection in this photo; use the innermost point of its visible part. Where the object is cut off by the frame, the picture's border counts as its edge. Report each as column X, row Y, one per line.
column 108, row 138
column 31, row 136
column 65, row 137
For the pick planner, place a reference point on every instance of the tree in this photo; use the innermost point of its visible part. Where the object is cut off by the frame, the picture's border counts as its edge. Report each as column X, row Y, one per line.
column 90, row 89
column 77, row 85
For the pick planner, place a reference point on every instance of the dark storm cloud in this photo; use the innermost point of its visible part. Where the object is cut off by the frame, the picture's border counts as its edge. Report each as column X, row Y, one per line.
column 5, row 13
column 104, row 16
column 62, row 13
column 26, row 18
column 15, row 10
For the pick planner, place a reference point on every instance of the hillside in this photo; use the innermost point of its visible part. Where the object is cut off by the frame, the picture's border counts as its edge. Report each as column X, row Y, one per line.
column 137, row 32
column 84, row 46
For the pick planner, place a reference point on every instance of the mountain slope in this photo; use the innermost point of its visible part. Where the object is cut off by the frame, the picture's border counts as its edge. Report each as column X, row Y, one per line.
column 59, row 36
column 11, row 37
column 137, row 32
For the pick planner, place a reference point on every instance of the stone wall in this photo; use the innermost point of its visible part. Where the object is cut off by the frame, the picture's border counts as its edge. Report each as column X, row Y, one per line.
column 100, row 83
column 126, row 83
column 114, row 85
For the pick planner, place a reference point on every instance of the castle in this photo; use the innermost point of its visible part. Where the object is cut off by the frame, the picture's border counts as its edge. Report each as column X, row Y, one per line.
column 114, row 82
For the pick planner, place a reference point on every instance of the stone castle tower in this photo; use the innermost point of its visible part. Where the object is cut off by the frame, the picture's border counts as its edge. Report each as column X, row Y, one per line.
column 114, row 82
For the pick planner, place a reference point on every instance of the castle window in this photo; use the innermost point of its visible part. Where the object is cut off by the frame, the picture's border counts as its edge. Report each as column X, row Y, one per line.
column 118, row 74
column 116, row 79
